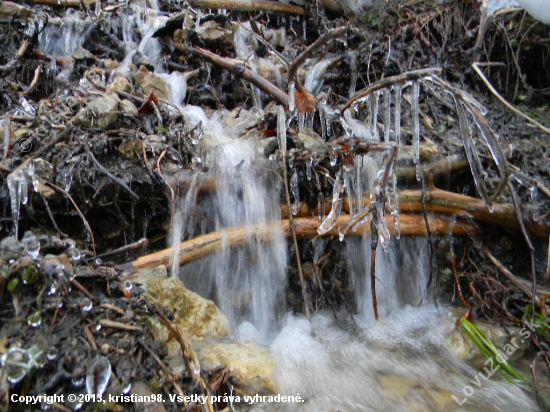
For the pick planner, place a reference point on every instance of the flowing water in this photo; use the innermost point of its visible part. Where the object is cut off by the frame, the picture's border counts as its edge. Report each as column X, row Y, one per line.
column 401, row 363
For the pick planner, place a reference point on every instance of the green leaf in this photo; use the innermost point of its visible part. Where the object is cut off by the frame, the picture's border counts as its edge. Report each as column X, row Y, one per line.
column 12, row 284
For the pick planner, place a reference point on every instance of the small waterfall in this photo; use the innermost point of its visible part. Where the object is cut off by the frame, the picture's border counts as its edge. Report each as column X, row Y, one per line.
column 401, row 275
column 247, row 282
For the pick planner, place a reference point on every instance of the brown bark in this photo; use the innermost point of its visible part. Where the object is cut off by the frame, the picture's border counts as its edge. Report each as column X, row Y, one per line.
column 249, row 5
column 448, row 203
column 411, row 225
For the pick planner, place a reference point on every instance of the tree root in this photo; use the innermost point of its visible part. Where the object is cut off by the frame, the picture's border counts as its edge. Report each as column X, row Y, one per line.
column 306, row 228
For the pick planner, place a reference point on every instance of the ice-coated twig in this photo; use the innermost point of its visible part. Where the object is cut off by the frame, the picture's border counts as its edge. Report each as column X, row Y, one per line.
column 332, row 218
column 281, row 136
column 415, row 113
column 471, row 153
column 389, row 81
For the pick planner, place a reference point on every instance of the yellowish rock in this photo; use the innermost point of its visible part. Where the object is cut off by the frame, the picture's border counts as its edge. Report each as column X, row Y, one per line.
column 150, row 82
column 119, row 84
column 197, row 317
column 252, row 364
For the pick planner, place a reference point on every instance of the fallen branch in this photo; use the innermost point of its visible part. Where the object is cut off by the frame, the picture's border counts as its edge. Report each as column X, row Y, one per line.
column 306, row 228
column 249, row 5
column 238, row 69
column 447, row 203
column 64, row 3
column 442, row 167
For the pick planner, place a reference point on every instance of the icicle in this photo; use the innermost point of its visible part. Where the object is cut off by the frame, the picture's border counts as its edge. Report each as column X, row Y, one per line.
column 473, row 158
column 295, row 192
column 332, row 218
column 375, row 99
column 18, row 190
column 281, row 130
column 354, row 75
column 301, row 121
column 386, row 106
column 534, row 195
column 309, row 166
column 415, row 113
column 358, row 187
column 393, row 202
column 378, row 197
column 397, row 120
column 323, row 121
column 492, row 144
column 291, row 96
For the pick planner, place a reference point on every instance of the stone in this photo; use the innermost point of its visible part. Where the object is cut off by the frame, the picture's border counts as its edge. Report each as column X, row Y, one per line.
column 312, row 142
column 197, row 317
column 469, row 352
column 8, row 10
column 110, row 64
column 252, row 364
column 210, row 31
column 81, row 53
column 119, row 84
column 101, row 112
column 128, row 108
column 151, row 82
column 10, row 249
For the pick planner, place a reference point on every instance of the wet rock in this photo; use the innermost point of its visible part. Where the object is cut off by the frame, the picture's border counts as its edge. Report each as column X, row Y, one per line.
column 197, row 317
column 128, row 108
column 271, row 146
column 253, row 365
column 81, row 53
column 468, row 351
column 8, row 10
column 119, row 84
column 210, row 31
column 150, row 82
column 110, row 64
column 312, row 142
column 10, row 249
column 101, row 112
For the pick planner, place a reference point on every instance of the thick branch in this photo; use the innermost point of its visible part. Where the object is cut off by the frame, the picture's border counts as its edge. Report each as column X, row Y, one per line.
column 306, row 228
column 249, row 5
column 448, row 203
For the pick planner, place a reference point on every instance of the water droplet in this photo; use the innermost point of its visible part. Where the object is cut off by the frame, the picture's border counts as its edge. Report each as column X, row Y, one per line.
column 31, row 244
column 35, row 319
column 98, row 327
column 52, row 353
column 38, row 357
column 73, row 254
column 53, row 288
column 97, row 376
column 97, row 262
column 127, row 288
column 16, row 362
column 85, row 305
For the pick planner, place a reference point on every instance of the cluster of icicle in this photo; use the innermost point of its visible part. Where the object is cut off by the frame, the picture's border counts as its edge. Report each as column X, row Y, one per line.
column 385, row 104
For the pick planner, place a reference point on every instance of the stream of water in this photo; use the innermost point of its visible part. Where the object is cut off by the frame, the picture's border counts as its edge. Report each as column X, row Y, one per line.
column 401, row 363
